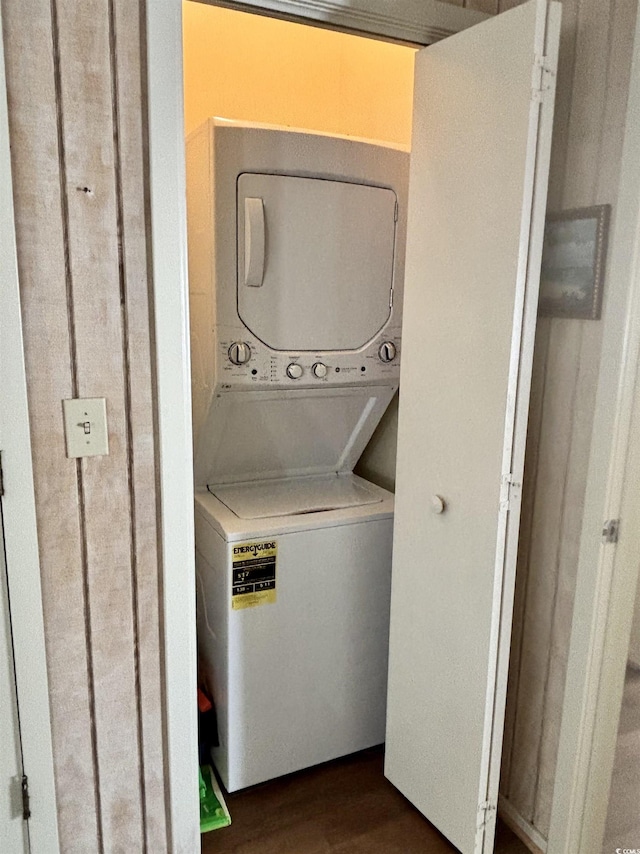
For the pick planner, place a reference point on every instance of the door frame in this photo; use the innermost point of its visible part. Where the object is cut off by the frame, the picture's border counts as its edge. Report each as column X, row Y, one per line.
column 600, row 593
column 20, row 531
column 607, row 572
column 415, row 22
column 168, row 255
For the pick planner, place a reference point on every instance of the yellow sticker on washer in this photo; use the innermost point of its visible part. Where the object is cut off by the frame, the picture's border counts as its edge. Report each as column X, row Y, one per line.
column 253, row 574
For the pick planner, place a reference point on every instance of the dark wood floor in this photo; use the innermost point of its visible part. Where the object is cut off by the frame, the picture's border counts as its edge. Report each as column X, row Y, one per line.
column 343, row 807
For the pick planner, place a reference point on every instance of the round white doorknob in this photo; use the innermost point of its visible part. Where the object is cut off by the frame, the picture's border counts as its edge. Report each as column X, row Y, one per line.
column 239, row 353
column 319, row 370
column 438, row 504
column 294, row 371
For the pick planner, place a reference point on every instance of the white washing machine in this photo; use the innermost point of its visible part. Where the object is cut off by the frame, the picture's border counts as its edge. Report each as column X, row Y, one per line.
column 293, row 621
column 296, row 249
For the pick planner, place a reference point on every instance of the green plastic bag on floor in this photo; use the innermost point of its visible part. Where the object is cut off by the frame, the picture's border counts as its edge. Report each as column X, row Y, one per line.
column 213, row 810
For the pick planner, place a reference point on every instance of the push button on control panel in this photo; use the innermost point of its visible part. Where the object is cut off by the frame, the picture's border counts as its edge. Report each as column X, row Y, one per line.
column 319, row 370
column 294, row 371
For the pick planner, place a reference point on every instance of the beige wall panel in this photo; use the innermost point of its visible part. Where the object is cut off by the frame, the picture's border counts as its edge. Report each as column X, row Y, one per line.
column 40, row 237
column 505, row 5
column 572, row 511
column 615, row 50
column 564, row 96
column 634, row 643
column 618, row 75
column 127, row 24
column 488, row 6
column 87, row 111
column 588, row 103
column 537, row 566
column 561, row 371
column 524, row 544
column 592, row 85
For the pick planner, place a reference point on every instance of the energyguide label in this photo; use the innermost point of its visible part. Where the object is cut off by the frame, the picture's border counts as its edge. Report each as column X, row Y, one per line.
column 254, row 574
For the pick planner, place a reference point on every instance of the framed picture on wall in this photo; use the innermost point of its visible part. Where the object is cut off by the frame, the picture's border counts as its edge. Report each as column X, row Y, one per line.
column 573, row 259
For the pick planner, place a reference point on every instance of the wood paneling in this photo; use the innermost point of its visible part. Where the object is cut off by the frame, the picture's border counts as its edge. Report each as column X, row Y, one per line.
column 74, row 81
column 92, row 221
column 49, row 353
column 528, row 712
column 127, row 23
column 590, row 109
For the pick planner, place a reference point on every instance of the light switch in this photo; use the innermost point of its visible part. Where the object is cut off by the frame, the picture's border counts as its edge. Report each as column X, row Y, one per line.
column 85, row 426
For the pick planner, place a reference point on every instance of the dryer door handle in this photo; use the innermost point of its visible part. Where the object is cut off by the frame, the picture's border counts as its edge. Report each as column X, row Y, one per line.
column 254, row 243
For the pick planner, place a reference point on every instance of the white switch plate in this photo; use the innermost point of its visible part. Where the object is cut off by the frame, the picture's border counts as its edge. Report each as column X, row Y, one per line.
column 85, row 426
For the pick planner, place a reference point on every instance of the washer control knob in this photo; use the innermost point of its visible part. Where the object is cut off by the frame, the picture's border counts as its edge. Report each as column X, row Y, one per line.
column 239, row 353
column 387, row 351
column 319, row 370
column 294, row 371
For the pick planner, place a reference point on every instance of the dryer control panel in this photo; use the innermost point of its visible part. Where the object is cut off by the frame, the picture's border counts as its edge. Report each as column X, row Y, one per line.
column 244, row 362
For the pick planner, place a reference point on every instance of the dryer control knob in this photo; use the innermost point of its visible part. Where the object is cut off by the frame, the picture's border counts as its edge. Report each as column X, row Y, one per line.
column 294, row 371
column 319, row 370
column 239, row 353
column 387, row 351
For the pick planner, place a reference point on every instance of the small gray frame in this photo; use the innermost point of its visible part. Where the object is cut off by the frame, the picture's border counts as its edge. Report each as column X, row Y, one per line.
column 573, row 262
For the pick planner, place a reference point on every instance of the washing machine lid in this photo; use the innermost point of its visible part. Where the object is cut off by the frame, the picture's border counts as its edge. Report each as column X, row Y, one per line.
column 315, row 261
column 295, row 496
column 254, row 435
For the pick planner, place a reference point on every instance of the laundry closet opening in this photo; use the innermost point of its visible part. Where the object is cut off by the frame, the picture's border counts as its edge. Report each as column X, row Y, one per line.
column 293, row 551
column 297, row 168
column 289, row 515
column 297, row 172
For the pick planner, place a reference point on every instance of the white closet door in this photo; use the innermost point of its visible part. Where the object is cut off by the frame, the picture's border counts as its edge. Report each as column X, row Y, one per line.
column 479, row 170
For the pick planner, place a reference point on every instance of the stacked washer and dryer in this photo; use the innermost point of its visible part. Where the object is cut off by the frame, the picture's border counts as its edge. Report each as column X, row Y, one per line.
column 296, row 253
